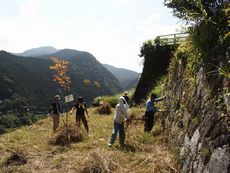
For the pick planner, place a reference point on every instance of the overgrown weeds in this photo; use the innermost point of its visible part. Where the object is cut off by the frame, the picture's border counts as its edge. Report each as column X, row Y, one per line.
column 105, row 109
column 111, row 100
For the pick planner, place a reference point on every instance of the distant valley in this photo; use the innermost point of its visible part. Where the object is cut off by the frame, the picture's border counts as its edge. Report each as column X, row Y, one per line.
column 26, row 81
column 127, row 78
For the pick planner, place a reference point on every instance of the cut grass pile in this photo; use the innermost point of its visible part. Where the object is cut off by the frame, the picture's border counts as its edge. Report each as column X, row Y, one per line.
column 143, row 152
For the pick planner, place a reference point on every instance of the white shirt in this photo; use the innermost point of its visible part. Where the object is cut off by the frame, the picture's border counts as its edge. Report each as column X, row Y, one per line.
column 121, row 111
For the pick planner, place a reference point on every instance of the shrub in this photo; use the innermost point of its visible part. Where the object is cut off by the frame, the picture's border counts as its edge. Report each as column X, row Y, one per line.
column 97, row 101
column 105, row 108
column 11, row 121
column 112, row 100
column 25, row 120
column 2, row 129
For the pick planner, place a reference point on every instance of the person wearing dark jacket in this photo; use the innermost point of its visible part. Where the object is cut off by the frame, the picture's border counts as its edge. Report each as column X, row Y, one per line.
column 55, row 110
column 150, row 110
column 81, row 109
column 126, row 97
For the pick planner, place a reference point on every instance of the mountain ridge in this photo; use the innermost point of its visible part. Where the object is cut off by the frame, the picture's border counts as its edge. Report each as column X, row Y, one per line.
column 30, row 79
column 38, row 51
column 127, row 78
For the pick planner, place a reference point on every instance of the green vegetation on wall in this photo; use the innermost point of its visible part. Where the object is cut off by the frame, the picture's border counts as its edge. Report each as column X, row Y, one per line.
column 157, row 56
column 209, row 27
column 198, row 74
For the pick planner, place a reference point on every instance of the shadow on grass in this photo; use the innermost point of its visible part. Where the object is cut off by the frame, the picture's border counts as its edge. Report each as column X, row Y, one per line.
column 127, row 147
column 157, row 132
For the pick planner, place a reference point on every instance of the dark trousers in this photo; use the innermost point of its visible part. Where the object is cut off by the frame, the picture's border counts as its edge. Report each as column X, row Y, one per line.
column 82, row 118
column 118, row 128
column 55, row 118
column 149, row 121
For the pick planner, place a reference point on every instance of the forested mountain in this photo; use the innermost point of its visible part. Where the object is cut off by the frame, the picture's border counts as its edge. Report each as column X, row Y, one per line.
column 27, row 82
column 128, row 79
column 34, row 52
column 68, row 54
column 86, row 67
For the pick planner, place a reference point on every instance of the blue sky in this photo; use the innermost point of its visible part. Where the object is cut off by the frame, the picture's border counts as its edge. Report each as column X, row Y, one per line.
column 112, row 30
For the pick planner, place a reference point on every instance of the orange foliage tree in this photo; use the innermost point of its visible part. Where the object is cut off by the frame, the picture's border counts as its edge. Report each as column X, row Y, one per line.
column 61, row 68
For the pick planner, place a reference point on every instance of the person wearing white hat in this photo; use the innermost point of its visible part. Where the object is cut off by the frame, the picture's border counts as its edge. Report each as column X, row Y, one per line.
column 119, row 118
column 55, row 109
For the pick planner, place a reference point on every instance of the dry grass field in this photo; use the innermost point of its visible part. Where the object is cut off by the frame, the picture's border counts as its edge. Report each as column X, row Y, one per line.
column 28, row 149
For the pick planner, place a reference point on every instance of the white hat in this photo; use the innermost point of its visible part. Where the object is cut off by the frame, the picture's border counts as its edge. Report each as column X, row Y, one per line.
column 57, row 96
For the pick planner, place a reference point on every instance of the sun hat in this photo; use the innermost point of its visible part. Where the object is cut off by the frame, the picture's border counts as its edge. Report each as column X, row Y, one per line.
column 80, row 99
column 57, row 96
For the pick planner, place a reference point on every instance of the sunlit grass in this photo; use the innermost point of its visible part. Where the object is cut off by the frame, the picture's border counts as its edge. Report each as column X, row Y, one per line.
column 144, row 152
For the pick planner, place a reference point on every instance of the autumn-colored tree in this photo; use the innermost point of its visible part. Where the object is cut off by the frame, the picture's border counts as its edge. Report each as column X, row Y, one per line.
column 61, row 68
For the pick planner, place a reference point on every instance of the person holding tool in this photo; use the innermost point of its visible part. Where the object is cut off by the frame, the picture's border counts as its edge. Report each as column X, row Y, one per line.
column 150, row 110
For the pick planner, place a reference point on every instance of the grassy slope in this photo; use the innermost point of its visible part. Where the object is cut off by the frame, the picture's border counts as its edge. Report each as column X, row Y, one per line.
column 144, row 152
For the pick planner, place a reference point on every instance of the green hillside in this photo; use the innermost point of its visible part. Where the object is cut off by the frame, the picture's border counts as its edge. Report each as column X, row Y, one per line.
column 27, row 82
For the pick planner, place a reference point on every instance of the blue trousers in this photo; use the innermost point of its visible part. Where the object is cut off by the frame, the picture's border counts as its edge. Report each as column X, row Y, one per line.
column 118, row 128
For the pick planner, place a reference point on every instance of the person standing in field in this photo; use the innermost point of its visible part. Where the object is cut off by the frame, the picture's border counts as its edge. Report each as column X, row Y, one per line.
column 81, row 110
column 150, row 110
column 55, row 110
column 126, row 97
column 120, row 116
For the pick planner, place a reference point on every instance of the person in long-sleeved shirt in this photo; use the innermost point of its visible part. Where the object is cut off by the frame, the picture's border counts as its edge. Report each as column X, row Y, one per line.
column 55, row 109
column 150, row 110
column 119, row 118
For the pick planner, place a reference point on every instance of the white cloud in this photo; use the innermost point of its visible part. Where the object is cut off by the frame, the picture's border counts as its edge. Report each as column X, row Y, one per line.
column 31, row 28
column 154, row 18
column 113, row 38
column 30, row 9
